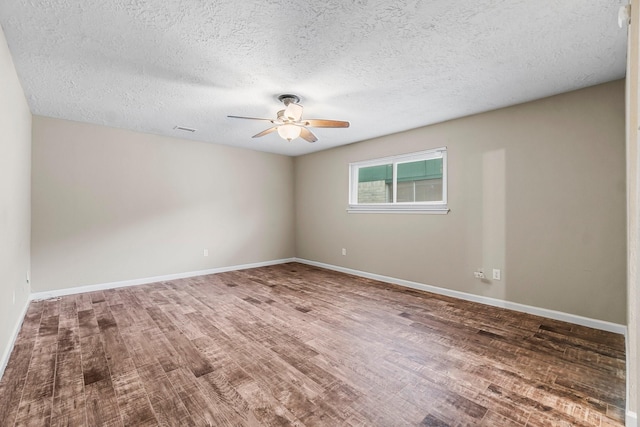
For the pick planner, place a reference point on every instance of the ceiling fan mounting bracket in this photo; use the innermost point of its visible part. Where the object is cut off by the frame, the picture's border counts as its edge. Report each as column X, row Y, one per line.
column 288, row 98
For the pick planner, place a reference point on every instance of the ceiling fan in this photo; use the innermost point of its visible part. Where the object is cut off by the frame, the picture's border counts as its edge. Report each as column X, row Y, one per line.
column 290, row 124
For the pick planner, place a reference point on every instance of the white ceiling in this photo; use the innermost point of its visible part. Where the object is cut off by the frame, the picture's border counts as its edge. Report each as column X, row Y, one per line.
column 385, row 66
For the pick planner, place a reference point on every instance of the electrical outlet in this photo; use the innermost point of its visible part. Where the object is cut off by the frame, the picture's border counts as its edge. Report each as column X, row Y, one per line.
column 206, row 252
column 496, row 274
column 344, row 251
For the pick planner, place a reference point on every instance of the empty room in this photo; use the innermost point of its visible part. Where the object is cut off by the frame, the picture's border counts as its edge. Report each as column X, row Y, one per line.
column 366, row 213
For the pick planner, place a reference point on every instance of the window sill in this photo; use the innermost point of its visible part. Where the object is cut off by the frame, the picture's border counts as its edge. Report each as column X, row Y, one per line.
column 415, row 209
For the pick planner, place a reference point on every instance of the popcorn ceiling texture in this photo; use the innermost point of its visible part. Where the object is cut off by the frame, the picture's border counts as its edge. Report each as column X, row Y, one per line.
column 386, row 66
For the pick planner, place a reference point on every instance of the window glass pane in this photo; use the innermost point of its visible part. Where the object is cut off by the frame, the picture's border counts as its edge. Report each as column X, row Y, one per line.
column 421, row 169
column 375, row 184
column 420, row 181
column 429, row 190
column 406, row 192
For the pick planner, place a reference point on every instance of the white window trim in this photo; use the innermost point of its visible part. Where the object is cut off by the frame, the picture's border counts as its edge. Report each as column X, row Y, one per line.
column 439, row 207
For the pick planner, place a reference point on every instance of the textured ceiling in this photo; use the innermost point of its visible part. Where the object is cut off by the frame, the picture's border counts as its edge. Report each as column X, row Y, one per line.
column 385, row 66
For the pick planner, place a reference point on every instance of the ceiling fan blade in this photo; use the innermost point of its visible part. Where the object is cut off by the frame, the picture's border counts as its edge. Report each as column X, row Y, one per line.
column 265, row 132
column 252, row 118
column 307, row 135
column 321, row 123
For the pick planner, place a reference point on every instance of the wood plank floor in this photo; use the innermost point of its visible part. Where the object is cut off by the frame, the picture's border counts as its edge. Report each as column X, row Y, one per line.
column 297, row 345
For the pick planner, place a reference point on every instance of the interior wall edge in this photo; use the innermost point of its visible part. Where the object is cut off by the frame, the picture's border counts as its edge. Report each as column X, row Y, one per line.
column 37, row 296
column 15, row 203
column 12, row 339
column 544, row 312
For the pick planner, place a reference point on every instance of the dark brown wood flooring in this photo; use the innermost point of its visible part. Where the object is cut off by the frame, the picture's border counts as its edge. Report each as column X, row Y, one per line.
column 297, row 345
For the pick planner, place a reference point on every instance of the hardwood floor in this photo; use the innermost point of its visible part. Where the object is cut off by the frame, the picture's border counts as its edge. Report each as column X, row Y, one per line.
column 297, row 345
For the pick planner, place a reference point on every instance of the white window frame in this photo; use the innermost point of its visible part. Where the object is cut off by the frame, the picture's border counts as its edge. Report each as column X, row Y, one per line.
column 439, row 207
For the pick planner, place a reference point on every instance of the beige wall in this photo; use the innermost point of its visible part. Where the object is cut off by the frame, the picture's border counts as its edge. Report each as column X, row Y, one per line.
column 111, row 205
column 15, row 176
column 536, row 190
column 633, row 190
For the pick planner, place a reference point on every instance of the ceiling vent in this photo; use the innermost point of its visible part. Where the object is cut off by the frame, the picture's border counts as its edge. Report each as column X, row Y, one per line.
column 184, row 129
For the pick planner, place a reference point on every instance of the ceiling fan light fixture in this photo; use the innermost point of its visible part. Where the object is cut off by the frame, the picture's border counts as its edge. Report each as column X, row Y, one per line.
column 293, row 112
column 289, row 131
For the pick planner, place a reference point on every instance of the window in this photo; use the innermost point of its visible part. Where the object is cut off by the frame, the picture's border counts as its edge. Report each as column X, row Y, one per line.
column 415, row 182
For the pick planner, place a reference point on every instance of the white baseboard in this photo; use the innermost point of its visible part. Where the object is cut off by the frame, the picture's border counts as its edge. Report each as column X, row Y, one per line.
column 551, row 314
column 631, row 418
column 144, row 281
column 6, row 354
